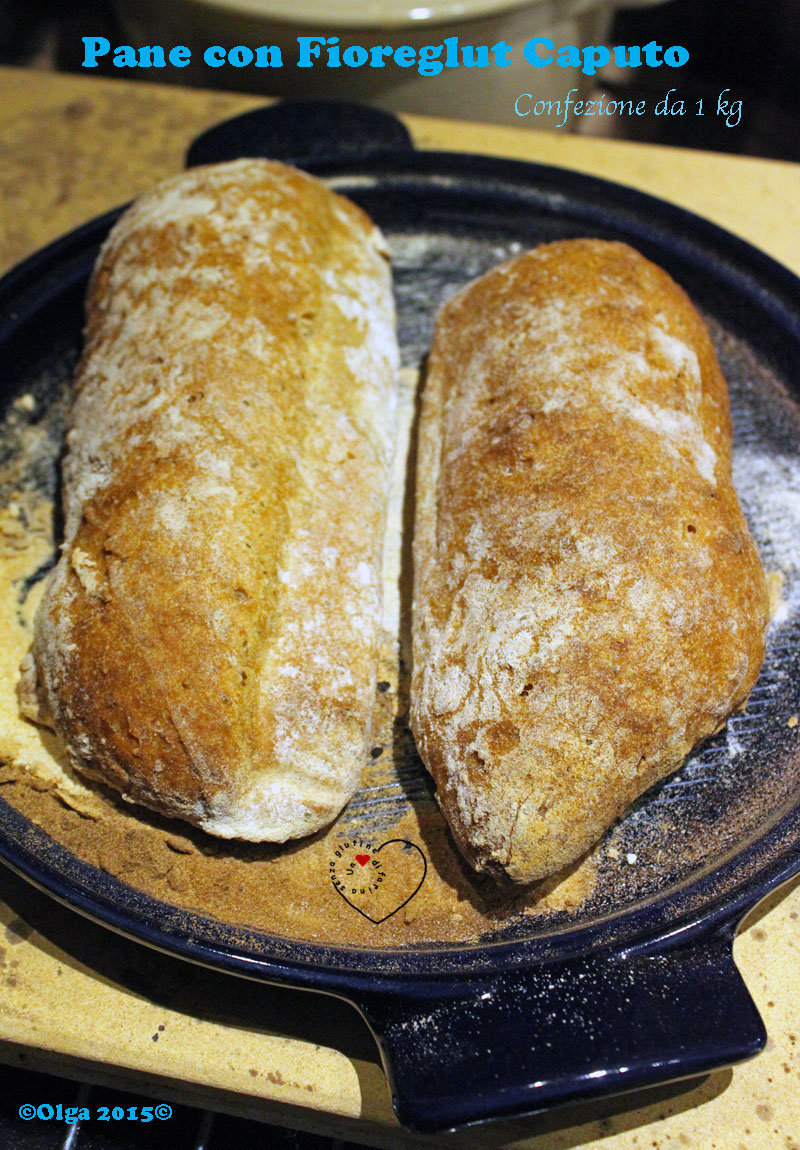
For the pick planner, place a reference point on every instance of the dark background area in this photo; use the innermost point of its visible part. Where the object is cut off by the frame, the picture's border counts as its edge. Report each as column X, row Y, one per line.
column 748, row 46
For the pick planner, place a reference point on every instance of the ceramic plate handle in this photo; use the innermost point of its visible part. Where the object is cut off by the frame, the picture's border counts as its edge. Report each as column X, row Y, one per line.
column 303, row 132
column 524, row 1040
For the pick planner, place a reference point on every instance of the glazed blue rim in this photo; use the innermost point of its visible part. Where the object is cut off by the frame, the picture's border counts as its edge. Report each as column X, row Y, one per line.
column 714, row 900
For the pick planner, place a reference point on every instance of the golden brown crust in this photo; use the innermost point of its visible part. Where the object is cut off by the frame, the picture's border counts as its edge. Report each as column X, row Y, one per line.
column 588, row 601
column 208, row 642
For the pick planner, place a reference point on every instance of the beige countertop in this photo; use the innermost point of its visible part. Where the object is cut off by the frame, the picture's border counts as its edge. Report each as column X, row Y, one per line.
column 76, row 999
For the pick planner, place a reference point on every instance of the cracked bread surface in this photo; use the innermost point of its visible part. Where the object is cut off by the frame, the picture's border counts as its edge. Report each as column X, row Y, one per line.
column 588, row 601
column 207, row 643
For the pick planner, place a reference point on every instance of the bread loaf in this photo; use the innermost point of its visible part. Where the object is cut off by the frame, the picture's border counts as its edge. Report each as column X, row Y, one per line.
column 588, row 601
column 207, row 643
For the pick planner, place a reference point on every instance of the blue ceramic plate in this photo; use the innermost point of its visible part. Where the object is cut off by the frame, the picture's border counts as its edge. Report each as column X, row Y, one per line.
column 548, row 1009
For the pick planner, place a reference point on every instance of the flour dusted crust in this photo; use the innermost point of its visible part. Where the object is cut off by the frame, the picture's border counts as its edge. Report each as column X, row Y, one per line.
column 588, row 601
column 207, row 644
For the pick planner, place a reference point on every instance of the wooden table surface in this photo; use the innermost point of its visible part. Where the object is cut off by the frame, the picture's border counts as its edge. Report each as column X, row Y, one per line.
column 76, row 999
